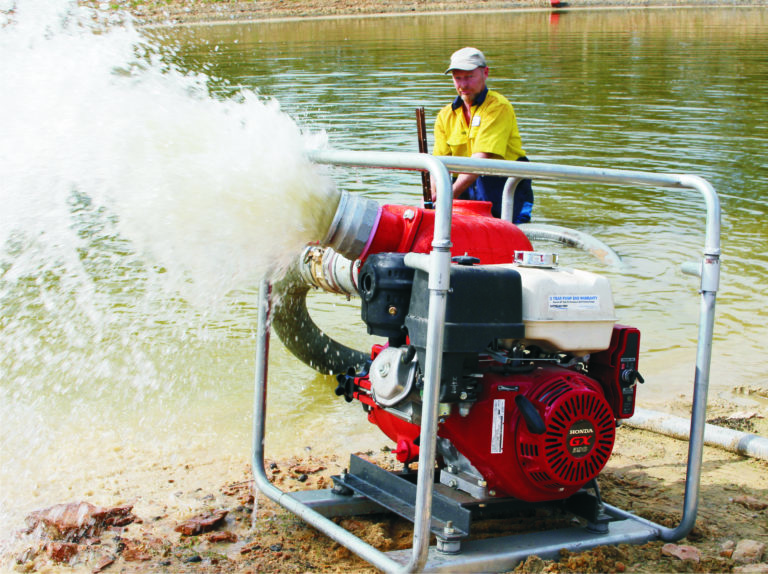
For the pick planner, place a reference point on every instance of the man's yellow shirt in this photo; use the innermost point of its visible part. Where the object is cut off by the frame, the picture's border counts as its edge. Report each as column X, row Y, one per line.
column 492, row 128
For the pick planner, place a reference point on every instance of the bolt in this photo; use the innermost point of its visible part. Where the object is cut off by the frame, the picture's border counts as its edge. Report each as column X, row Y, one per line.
column 491, row 493
column 481, row 483
column 463, row 396
column 453, row 484
column 392, row 310
column 449, row 529
column 409, row 214
column 384, row 369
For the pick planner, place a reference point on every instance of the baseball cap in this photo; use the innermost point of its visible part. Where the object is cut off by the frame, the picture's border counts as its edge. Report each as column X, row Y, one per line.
column 466, row 59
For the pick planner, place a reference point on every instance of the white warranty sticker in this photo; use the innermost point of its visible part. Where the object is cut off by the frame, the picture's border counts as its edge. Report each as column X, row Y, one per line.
column 569, row 302
column 497, row 430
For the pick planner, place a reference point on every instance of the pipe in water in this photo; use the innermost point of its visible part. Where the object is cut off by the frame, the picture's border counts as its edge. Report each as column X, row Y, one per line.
column 743, row 443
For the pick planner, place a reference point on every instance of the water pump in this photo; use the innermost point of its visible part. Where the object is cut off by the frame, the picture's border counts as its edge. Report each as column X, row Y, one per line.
column 502, row 373
column 535, row 373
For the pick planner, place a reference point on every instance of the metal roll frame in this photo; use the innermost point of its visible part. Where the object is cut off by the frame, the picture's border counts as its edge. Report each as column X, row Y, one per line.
column 483, row 555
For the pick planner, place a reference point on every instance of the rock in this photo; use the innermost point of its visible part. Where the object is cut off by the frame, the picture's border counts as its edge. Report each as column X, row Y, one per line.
column 134, row 551
column 750, row 502
column 682, row 552
column 221, row 536
column 744, row 415
column 748, row 552
column 761, row 568
column 103, row 564
column 62, row 551
column 726, row 548
column 200, row 524
column 77, row 520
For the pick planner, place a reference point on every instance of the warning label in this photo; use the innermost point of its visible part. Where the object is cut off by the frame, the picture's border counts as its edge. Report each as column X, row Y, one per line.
column 574, row 302
column 497, row 428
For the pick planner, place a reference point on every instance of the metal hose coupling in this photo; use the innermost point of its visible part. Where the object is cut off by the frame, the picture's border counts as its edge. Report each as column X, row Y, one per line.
column 353, row 225
column 324, row 268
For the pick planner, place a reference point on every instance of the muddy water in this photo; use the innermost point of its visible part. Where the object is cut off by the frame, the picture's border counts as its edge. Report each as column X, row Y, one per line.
column 132, row 379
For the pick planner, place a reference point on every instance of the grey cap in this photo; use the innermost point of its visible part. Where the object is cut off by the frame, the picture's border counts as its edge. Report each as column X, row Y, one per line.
column 466, row 59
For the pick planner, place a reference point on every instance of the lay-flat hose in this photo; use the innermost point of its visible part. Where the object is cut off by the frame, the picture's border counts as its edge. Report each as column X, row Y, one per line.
column 301, row 335
column 573, row 238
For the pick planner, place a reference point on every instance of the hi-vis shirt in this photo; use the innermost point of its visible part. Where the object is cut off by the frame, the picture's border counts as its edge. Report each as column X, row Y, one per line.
column 492, row 128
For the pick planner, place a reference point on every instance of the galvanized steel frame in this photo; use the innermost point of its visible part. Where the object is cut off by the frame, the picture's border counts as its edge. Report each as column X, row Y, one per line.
column 634, row 529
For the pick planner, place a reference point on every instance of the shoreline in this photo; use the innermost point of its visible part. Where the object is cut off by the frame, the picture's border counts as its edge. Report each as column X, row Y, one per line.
column 186, row 12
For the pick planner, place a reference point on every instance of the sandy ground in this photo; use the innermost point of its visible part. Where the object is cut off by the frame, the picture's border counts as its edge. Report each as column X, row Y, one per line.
column 645, row 474
column 198, row 515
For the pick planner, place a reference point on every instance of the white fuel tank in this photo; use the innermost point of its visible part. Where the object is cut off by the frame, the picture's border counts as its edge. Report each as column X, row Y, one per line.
column 566, row 309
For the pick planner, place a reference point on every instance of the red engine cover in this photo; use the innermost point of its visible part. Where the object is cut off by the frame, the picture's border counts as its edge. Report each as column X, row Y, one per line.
column 579, row 436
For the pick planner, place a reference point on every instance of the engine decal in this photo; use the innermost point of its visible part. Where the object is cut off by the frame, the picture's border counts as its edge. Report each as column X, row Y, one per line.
column 497, row 428
column 580, row 438
column 570, row 302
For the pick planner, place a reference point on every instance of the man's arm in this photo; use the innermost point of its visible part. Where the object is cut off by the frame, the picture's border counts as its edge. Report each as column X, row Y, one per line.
column 467, row 179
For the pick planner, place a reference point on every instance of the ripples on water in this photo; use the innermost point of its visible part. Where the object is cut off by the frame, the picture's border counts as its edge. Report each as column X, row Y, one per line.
column 675, row 91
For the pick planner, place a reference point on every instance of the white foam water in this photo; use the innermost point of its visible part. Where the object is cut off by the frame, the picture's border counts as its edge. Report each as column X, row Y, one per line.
column 133, row 203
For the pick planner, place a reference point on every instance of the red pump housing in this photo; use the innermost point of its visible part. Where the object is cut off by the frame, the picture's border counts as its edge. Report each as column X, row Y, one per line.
column 402, row 229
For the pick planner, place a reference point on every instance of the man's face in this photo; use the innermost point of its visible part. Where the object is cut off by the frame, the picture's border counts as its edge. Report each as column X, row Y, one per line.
column 469, row 83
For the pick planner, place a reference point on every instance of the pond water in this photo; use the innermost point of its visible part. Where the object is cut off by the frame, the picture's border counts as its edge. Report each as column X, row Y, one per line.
column 675, row 91
column 142, row 357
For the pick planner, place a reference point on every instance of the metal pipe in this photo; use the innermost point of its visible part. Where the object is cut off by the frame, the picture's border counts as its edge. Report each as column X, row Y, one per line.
column 260, row 479
column 508, row 198
column 598, row 175
column 260, row 394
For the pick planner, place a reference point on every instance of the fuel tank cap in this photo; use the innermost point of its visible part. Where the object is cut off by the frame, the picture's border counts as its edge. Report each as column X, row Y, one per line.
column 536, row 259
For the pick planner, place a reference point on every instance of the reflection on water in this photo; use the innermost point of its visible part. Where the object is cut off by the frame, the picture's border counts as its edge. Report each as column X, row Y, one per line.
column 662, row 90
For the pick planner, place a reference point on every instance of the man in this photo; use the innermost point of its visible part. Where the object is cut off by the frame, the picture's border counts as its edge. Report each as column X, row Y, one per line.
column 481, row 123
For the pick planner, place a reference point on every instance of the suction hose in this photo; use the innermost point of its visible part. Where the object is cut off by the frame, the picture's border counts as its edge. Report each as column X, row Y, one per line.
column 333, row 269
